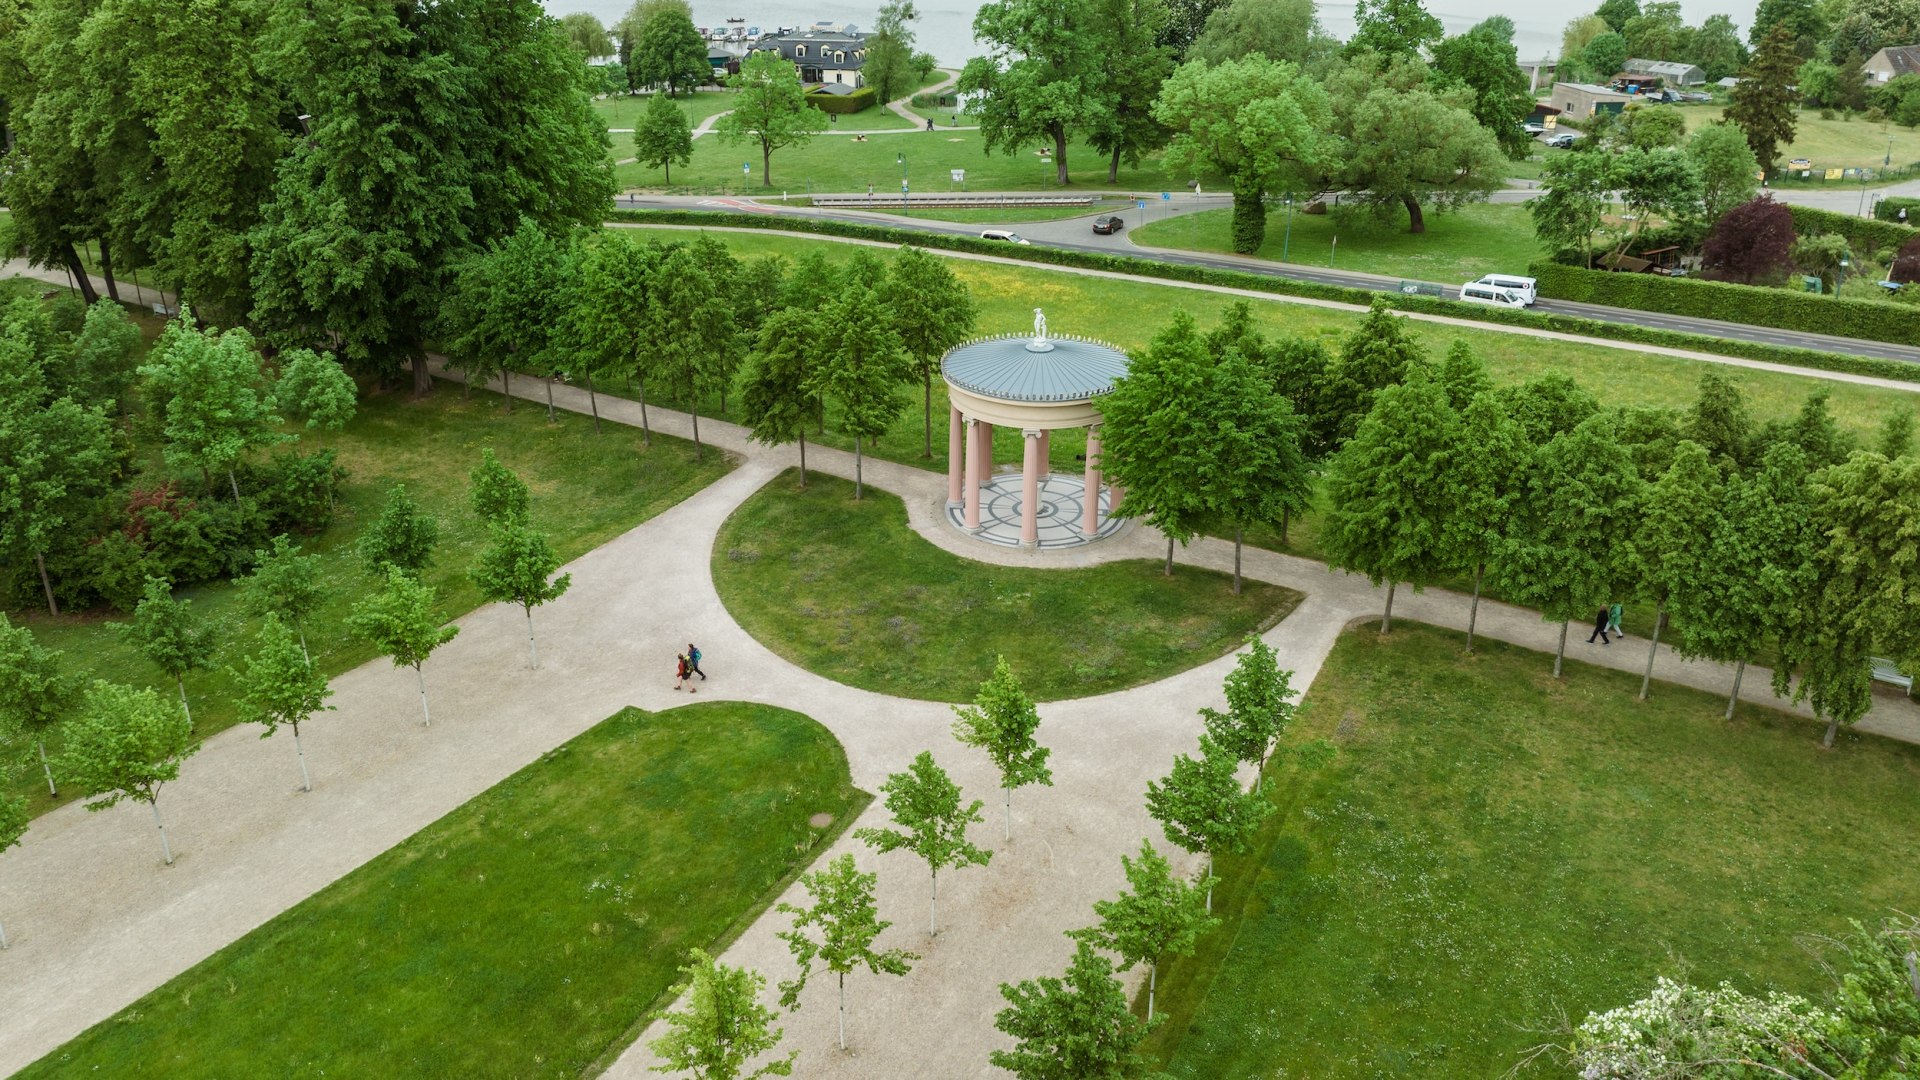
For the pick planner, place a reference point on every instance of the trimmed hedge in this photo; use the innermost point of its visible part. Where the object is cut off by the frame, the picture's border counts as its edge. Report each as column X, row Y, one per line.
column 1864, row 235
column 1888, row 209
column 1754, row 305
column 843, row 103
column 1235, row 279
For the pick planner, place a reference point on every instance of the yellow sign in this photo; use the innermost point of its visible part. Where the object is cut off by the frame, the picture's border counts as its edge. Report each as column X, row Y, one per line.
column 1549, row 122
column 1834, row 174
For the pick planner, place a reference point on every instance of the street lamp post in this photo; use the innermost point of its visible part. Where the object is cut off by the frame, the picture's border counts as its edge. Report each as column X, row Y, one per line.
column 1286, row 243
column 1888, row 163
column 902, row 160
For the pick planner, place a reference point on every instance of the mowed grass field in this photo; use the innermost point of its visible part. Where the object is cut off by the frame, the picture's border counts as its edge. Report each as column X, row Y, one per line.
column 845, row 589
column 526, row 934
column 1833, row 144
column 1492, row 851
column 587, row 489
column 1458, row 245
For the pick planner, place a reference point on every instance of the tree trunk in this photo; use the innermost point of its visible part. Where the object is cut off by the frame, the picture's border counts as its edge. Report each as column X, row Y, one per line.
column 933, row 906
column 856, row 469
column 422, row 375
column 306, row 782
column 1009, row 817
column 304, row 654
column 79, row 272
column 843, row 1010
column 803, row 458
column 1473, row 613
column 1833, row 725
column 1659, row 617
column 926, row 387
column 46, row 583
column 1560, row 653
column 1169, row 570
column 532, row 649
column 698, row 455
column 506, row 386
column 1237, row 531
column 1418, row 223
column 1060, row 156
column 766, row 165
column 1733, row 699
column 1113, row 177
column 165, row 848
column 1286, row 514
column 233, row 483
column 549, row 381
column 646, row 432
column 426, row 718
column 1153, row 969
column 106, row 270
column 181, row 682
column 47, row 768
column 820, row 412
column 1386, row 617
column 1209, row 879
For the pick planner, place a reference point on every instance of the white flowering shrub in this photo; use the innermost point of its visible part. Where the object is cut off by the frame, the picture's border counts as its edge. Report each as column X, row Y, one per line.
column 1682, row 1032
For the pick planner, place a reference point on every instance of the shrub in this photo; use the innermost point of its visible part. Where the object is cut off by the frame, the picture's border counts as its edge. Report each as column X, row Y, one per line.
column 1756, row 306
column 296, row 490
column 120, row 570
column 1750, row 242
column 1906, row 265
column 848, row 103
column 1888, row 209
column 1861, row 234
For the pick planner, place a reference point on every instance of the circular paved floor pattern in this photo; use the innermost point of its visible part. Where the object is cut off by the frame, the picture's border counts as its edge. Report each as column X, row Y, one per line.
column 1062, row 502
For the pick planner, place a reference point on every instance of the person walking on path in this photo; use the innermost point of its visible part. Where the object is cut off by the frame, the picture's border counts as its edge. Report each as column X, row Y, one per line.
column 1613, row 620
column 1600, row 628
column 682, row 673
column 693, row 661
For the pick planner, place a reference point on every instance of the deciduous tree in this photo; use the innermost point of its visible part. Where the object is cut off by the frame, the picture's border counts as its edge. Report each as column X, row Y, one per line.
column 517, row 567
column 1727, row 168
column 495, row 492
column 284, row 583
column 925, row 804
column 1153, row 439
column 1043, row 77
column 316, row 389
column 170, row 636
column 127, row 744
column 1487, row 478
column 889, row 66
column 847, row 922
column 1073, row 1028
column 1255, row 472
column 214, row 405
column 56, row 462
column 1377, row 354
column 1579, row 188
column 662, row 137
column 507, row 306
column 401, row 622
column 1276, row 29
column 1393, row 28
column 1137, row 65
column 1406, row 142
column 724, row 1027
column 669, row 52
column 1753, row 242
column 1001, row 721
column 1485, row 60
column 1259, row 707
column 35, row 696
column 1675, row 535
column 1159, row 915
column 610, row 322
column 932, row 311
column 862, row 364
column 586, row 36
column 770, row 109
column 279, row 687
column 776, row 401
column 403, row 536
column 693, row 331
column 1201, row 806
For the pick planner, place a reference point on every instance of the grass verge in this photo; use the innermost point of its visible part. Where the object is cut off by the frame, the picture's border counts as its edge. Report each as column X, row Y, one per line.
column 846, row 589
column 1494, row 849
column 522, row 935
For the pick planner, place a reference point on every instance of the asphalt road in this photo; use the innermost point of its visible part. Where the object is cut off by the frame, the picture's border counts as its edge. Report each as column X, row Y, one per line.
column 1075, row 234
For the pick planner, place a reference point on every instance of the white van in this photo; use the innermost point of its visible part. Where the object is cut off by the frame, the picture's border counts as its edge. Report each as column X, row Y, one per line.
column 1522, row 287
column 1474, row 292
column 1003, row 234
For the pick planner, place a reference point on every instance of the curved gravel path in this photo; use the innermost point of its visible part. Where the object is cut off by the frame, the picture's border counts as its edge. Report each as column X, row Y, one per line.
column 96, row 921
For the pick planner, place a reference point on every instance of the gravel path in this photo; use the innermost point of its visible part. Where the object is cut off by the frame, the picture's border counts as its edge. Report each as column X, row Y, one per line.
column 97, row 921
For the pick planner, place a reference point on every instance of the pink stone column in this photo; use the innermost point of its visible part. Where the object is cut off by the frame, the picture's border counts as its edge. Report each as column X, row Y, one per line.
column 1046, row 454
column 1030, row 492
column 1114, row 494
column 983, row 431
column 973, row 474
column 1090, row 525
column 956, row 454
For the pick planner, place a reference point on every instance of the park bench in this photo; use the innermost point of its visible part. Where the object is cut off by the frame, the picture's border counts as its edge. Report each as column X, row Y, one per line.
column 1886, row 671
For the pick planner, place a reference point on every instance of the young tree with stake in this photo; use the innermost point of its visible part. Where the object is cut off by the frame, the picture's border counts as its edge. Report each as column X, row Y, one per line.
column 724, row 1026
column 286, row 583
column 1160, row 914
column 401, row 536
column 925, row 803
column 400, row 622
column 518, row 568
column 1201, row 806
column 1259, row 707
column 1001, row 721
column 167, row 633
column 844, row 914
column 279, row 686
column 1073, row 1028
column 35, row 696
column 125, row 745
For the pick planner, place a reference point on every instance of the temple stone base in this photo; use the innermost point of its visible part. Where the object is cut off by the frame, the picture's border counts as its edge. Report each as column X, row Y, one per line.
column 1061, row 512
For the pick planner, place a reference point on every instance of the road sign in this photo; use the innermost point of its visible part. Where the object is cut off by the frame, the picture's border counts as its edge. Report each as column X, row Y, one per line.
column 1140, row 204
column 959, row 176
column 746, row 169
column 1165, row 196
column 903, row 187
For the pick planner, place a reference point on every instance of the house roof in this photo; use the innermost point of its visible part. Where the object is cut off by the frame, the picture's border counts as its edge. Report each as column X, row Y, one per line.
column 836, row 89
column 1729, row 81
column 1589, row 88
column 821, row 45
column 1666, row 68
column 1902, row 59
column 1011, row 368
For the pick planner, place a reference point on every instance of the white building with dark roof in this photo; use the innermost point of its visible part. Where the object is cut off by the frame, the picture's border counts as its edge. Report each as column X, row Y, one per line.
column 1892, row 62
column 822, row 56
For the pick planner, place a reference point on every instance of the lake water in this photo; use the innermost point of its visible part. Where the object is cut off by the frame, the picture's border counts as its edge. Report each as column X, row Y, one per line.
column 946, row 30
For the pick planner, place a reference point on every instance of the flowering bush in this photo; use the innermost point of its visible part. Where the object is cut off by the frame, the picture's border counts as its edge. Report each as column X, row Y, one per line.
column 1681, row 1031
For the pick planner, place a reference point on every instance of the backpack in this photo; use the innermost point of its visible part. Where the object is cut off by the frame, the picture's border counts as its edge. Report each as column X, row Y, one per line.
column 693, row 656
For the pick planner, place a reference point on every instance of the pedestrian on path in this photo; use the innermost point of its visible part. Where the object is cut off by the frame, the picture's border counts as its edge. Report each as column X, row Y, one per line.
column 693, row 661
column 1600, row 629
column 1613, row 620
column 680, row 672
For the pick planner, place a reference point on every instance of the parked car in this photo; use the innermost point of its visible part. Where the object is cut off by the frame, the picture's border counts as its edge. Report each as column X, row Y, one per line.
column 1108, row 224
column 1563, row 140
column 1532, row 128
column 1695, row 96
column 1523, row 287
column 1002, row 234
column 1475, row 293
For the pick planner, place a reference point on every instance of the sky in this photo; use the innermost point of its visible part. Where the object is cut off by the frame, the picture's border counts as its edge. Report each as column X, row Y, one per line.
column 944, row 28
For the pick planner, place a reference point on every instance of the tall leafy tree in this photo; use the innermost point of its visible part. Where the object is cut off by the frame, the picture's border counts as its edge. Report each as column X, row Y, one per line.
column 1043, row 77
column 1651, row 127
column 694, row 334
column 506, row 307
column 1717, row 47
column 127, row 744
column 1255, row 471
column 1580, row 30
column 724, row 1027
column 403, row 536
column 770, row 109
column 586, row 36
column 401, row 622
column 1001, row 721
column 1389, row 492
column 1159, row 915
column 35, row 696
column 1408, row 144
column 1259, row 707
column 1153, row 441
column 1617, row 13
column 1763, row 99
column 1137, row 66
column 889, row 66
column 1727, row 168
column 1579, row 189
column 1604, row 55
column 57, row 461
column 776, row 401
column 1570, row 548
column 1801, row 20
column 170, row 636
column 214, row 403
column 932, row 312
column 106, row 354
column 1485, row 60
column 1753, row 242
column 1073, row 1028
column 662, row 137
column 610, row 323
column 1201, row 806
column 932, row 823
column 862, row 364
column 1377, row 354
column 284, row 583
column 518, row 567
column 1487, row 478
column 1276, row 29
column 847, row 923
column 414, row 158
column 1261, row 123
column 315, row 389
column 279, row 687
column 1675, row 536
column 1393, row 28
column 669, row 53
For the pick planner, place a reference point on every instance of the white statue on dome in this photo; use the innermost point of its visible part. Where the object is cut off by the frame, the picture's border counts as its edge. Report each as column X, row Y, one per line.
column 1039, row 325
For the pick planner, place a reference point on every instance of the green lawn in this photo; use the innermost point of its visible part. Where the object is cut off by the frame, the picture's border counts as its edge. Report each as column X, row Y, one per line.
column 526, row 934
column 846, row 589
column 587, row 489
column 1458, row 246
column 623, row 110
column 1836, row 143
column 1493, row 850
column 1014, row 215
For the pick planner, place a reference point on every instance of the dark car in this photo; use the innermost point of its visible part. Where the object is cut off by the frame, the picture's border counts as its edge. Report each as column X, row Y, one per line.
column 1108, row 224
